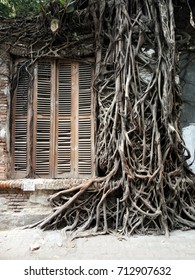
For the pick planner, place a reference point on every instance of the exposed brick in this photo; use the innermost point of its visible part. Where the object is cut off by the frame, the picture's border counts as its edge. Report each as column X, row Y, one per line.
column 16, row 200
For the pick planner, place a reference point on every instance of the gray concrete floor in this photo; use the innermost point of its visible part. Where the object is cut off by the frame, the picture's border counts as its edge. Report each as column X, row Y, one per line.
column 20, row 244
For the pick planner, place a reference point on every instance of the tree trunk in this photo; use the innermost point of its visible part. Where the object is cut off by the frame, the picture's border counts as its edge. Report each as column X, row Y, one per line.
column 143, row 184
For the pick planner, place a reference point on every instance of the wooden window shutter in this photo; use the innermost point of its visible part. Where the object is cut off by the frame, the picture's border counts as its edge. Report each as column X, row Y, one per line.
column 20, row 123
column 75, row 137
column 85, row 139
column 53, row 127
column 43, row 123
column 64, row 120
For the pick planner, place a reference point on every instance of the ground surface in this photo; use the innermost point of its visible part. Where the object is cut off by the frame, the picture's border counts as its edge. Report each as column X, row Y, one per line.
column 36, row 244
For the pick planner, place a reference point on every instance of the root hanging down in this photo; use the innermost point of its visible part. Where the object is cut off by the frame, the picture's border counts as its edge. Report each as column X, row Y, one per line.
column 144, row 186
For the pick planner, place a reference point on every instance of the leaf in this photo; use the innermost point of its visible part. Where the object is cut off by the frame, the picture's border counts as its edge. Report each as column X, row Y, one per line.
column 70, row 9
column 63, row 2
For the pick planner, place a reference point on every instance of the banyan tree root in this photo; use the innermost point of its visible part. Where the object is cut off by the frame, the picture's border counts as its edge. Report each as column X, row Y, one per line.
column 144, row 185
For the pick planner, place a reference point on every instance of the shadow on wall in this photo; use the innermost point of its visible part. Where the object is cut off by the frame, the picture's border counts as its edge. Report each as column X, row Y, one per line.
column 187, row 78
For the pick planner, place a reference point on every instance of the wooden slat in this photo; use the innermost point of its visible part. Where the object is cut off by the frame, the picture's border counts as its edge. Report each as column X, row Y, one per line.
column 74, row 120
column 64, row 146
column 84, row 151
column 85, row 76
column 84, row 122
column 20, row 125
column 64, row 120
column 20, row 155
column 64, row 89
column 43, row 147
column 44, row 88
column 22, row 90
column 43, row 125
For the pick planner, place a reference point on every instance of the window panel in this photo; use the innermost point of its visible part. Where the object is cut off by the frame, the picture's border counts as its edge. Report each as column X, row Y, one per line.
column 85, row 72
column 43, row 104
column 64, row 147
column 64, row 89
column 85, row 112
column 20, row 116
column 64, row 119
column 20, row 155
column 44, row 88
column 43, row 147
column 84, row 151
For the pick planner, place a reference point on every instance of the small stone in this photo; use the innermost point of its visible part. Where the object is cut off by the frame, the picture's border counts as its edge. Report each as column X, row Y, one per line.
column 59, row 244
column 56, row 257
column 70, row 244
column 35, row 247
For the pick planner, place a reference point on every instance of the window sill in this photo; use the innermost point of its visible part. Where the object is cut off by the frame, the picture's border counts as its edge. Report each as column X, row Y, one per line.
column 40, row 184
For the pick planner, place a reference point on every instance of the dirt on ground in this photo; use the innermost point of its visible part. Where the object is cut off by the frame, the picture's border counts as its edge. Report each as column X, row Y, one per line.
column 34, row 244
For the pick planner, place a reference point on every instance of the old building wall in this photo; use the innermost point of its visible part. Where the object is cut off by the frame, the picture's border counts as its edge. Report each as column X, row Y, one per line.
column 22, row 201
column 20, row 208
column 25, row 201
column 187, row 65
column 4, row 113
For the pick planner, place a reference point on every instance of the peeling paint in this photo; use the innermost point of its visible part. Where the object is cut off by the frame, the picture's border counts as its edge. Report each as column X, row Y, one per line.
column 189, row 138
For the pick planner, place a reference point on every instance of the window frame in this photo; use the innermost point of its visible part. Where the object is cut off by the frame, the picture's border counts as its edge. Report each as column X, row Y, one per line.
column 32, row 116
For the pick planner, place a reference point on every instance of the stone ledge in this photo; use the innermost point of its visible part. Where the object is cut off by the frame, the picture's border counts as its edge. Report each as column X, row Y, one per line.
column 40, row 184
column 14, row 220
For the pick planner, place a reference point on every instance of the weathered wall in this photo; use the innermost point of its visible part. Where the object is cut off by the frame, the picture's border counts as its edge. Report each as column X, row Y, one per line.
column 25, row 201
column 187, row 76
column 4, row 112
column 19, row 208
